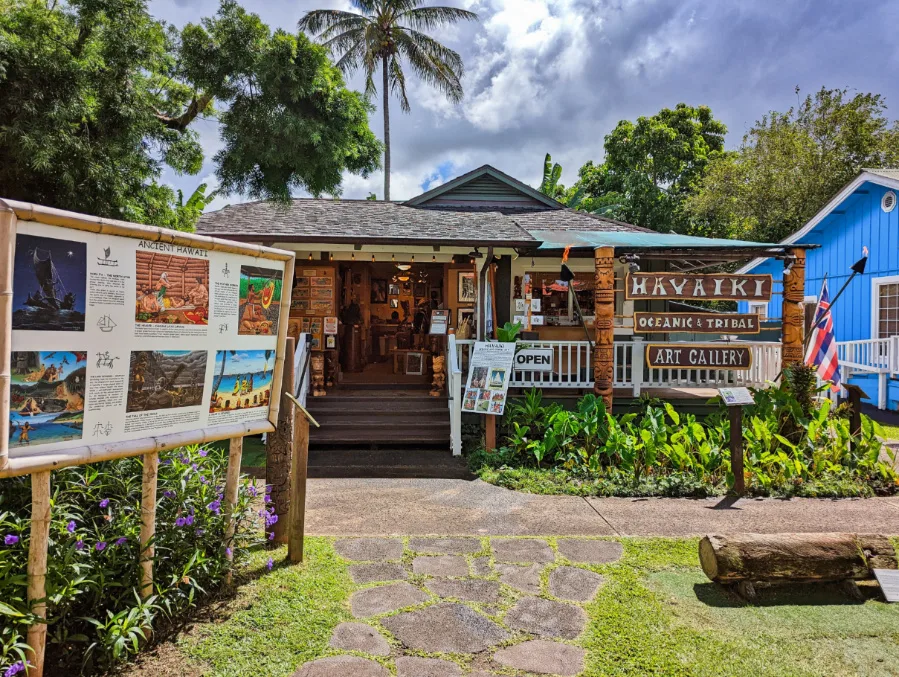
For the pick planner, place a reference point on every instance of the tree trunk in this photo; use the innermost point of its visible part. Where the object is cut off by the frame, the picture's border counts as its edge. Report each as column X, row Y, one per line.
column 386, row 94
column 278, row 450
column 734, row 558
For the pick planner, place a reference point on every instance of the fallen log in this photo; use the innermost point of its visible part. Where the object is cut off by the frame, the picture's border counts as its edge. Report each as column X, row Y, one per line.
column 739, row 558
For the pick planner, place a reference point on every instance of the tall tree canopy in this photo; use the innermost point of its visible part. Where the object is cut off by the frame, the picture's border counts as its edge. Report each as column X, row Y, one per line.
column 96, row 97
column 384, row 34
column 790, row 164
column 652, row 166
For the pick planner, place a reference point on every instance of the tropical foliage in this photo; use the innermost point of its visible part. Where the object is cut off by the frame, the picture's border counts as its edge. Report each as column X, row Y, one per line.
column 789, row 450
column 97, row 98
column 383, row 35
column 652, row 166
column 96, row 617
column 790, row 164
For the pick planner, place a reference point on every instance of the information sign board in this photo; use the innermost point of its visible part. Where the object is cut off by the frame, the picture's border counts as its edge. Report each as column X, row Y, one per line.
column 489, row 374
column 734, row 397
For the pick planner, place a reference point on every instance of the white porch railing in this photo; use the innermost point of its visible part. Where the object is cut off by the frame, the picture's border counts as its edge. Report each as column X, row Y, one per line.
column 455, row 381
column 870, row 356
column 573, row 367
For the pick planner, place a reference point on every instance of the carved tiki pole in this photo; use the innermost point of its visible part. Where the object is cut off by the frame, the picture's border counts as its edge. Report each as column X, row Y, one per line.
column 793, row 317
column 604, row 300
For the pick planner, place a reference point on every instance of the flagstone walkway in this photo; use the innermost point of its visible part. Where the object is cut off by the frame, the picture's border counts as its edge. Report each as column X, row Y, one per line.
column 448, row 607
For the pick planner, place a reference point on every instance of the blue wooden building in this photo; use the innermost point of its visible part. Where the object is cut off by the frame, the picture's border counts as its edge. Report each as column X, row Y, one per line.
column 862, row 217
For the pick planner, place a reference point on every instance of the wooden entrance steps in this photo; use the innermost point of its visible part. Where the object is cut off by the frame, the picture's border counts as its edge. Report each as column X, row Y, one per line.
column 382, row 432
column 394, row 418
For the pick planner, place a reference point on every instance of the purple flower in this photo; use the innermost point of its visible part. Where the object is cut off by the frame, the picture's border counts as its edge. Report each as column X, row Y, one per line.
column 11, row 539
column 270, row 520
column 70, row 527
column 121, row 541
column 189, row 520
column 268, row 488
column 267, row 499
column 215, row 506
column 199, row 532
column 203, row 452
column 271, row 535
column 14, row 669
column 100, row 546
column 228, row 552
column 252, row 491
column 270, row 564
column 180, row 522
column 79, row 545
column 194, row 466
column 203, row 479
column 104, row 502
column 168, row 493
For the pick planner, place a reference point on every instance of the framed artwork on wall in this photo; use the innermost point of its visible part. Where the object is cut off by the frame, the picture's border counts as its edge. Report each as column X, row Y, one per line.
column 467, row 288
column 415, row 364
column 378, row 291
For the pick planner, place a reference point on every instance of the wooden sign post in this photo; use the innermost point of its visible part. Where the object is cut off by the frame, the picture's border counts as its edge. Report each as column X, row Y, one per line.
column 736, row 399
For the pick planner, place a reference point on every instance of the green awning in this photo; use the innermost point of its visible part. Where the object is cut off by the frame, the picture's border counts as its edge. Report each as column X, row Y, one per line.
column 559, row 239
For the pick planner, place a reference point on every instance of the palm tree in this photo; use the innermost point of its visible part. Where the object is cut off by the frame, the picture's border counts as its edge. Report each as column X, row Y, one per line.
column 381, row 34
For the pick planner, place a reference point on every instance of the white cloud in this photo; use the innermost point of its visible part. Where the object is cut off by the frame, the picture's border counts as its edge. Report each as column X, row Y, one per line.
column 527, row 53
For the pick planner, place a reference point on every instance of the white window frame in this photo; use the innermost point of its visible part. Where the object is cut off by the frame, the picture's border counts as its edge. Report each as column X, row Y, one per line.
column 759, row 304
column 876, row 283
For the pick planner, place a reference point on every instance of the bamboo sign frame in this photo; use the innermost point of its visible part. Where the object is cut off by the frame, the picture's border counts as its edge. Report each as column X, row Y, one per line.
column 18, row 218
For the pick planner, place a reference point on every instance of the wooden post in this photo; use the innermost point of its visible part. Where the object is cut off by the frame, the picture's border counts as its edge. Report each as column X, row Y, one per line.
column 490, row 434
column 793, row 317
column 278, row 450
column 235, row 452
column 7, row 252
column 37, row 569
column 735, row 413
column 300, row 458
column 604, row 324
column 148, row 522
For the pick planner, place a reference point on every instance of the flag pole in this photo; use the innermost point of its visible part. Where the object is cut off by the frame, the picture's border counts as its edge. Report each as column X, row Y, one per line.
column 858, row 268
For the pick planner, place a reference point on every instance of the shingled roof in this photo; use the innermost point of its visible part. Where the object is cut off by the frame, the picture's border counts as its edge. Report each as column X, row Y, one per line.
column 487, row 208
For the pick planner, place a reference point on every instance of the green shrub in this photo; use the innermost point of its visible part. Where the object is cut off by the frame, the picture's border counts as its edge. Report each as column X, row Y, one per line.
column 791, row 444
column 95, row 616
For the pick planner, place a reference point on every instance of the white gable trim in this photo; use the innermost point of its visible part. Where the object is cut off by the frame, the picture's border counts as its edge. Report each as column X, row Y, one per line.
column 848, row 190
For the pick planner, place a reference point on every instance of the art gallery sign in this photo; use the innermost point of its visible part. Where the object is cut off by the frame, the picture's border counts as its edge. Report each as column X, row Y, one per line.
column 722, row 287
column 696, row 356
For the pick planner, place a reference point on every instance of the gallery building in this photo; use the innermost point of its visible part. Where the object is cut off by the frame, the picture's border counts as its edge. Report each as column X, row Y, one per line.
column 384, row 288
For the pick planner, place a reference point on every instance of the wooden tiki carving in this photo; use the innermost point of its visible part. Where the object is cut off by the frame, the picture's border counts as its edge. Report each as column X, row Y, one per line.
column 318, row 375
column 793, row 317
column 604, row 300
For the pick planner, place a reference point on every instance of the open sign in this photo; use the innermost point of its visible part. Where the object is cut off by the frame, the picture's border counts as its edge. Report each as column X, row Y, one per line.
column 534, row 359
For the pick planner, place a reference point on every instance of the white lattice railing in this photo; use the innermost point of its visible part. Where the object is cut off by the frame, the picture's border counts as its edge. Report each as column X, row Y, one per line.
column 573, row 367
column 870, row 355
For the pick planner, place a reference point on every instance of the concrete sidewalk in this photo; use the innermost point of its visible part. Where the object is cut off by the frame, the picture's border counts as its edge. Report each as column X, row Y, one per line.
column 459, row 507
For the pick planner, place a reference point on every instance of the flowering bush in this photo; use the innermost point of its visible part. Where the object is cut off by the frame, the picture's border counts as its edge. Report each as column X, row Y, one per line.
column 95, row 614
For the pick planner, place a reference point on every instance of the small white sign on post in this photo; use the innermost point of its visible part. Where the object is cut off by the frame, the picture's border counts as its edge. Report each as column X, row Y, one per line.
column 736, row 397
column 534, row 359
column 488, row 378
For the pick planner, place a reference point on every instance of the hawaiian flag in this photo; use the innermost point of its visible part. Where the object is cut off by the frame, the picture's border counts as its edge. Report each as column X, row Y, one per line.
column 822, row 350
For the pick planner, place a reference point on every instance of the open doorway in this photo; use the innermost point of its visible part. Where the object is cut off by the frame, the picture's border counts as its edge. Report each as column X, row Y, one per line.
column 385, row 314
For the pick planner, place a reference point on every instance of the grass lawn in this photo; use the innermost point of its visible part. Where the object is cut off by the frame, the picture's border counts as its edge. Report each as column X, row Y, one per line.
column 656, row 614
column 253, row 451
column 891, row 432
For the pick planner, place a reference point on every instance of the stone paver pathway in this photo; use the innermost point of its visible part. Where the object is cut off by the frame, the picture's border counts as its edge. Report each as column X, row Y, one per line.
column 465, row 607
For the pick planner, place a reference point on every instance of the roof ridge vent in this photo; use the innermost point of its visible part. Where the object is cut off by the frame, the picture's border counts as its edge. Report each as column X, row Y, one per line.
column 888, row 201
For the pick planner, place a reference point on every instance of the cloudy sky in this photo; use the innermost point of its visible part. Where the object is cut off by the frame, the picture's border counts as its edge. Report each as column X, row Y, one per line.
column 557, row 75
